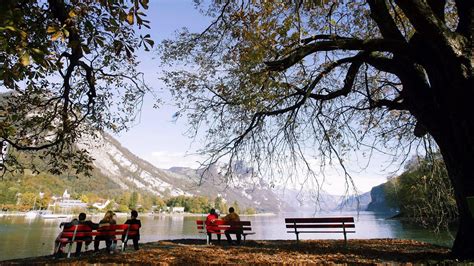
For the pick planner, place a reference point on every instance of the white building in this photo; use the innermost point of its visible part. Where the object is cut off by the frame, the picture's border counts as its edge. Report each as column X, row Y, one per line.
column 177, row 209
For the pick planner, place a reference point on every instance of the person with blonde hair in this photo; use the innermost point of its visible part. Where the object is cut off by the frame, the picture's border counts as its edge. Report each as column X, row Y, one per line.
column 106, row 221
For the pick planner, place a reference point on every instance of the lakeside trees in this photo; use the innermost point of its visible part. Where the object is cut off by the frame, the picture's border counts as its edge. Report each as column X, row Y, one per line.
column 423, row 193
column 275, row 83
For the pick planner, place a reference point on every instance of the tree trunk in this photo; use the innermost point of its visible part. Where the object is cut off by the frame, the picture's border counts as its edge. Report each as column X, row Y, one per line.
column 462, row 177
column 453, row 131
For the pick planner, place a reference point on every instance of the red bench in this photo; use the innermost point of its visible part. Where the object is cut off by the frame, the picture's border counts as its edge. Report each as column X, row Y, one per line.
column 83, row 233
column 220, row 226
column 324, row 225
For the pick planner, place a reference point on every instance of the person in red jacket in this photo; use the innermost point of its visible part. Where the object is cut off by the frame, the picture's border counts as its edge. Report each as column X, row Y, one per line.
column 210, row 227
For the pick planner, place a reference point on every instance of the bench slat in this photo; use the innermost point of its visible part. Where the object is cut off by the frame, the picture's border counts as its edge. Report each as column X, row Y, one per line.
column 320, row 225
column 320, row 220
column 340, row 232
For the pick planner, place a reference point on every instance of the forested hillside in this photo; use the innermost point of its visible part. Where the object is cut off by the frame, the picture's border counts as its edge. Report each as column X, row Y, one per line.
column 129, row 182
column 423, row 193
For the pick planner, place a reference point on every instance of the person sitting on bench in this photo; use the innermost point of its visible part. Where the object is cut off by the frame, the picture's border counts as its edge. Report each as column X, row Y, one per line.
column 106, row 221
column 87, row 239
column 210, row 227
column 133, row 220
column 232, row 217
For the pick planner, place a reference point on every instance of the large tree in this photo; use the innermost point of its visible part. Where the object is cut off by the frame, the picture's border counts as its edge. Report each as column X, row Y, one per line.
column 277, row 81
column 67, row 68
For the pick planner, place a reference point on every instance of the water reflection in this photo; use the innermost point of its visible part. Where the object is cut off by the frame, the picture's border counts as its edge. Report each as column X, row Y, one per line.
column 21, row 237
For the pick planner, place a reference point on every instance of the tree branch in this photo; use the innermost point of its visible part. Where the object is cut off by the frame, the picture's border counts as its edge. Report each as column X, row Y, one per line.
column 380, row 14
column 339, row 44
column 424, row 20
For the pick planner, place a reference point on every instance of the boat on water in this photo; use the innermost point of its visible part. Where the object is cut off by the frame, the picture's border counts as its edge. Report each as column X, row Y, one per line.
column 55, row 216
column 32, row 214
column 45, row 214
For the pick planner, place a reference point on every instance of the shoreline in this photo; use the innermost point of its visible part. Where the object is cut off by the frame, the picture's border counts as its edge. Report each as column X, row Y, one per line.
column 122, row 214
column 196, row 252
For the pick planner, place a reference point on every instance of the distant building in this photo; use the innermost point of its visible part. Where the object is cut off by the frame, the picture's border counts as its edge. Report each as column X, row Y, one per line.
column 65, row 202
column 69, row 203
column 177, row 209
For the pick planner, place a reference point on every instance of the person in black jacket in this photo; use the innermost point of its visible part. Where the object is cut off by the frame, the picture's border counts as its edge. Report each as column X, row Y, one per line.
column 135, row 238
column 86, row 239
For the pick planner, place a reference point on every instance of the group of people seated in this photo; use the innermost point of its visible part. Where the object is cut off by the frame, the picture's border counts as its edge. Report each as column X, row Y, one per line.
column 212, row 228
column 109, row 219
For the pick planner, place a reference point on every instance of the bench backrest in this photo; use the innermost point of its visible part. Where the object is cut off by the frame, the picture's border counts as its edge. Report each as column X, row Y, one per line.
column 75, row 231
column 220, row 225
column 133, row 230
column 111, row 230
column 327, row 222
column 80, row 230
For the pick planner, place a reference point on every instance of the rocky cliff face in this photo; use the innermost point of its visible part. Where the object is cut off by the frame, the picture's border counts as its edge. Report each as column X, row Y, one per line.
column 129, row 171
column 379, row 202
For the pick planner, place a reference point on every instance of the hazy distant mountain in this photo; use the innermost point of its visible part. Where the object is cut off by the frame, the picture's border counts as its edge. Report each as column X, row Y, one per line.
column 354, row 203
column 129, row 171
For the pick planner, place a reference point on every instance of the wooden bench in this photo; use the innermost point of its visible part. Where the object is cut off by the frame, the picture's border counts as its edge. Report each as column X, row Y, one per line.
column 324, row 225
column 82, row 233
column 220, row 226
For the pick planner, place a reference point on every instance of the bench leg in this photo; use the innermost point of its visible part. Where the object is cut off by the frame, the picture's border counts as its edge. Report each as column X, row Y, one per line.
column 297, row 237
column 69, row 250
column 208, row 241
column 244, row 238
column 345, row 238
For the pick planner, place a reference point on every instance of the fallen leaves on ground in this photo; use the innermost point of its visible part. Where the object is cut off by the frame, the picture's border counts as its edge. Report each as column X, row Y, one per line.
column 276, row 252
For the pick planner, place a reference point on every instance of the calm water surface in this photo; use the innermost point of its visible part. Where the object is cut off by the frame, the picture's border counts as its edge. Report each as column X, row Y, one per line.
column 25, row 237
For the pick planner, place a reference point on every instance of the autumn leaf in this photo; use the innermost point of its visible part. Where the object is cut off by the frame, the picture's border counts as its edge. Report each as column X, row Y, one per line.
column 25, row 59
column 130, row 17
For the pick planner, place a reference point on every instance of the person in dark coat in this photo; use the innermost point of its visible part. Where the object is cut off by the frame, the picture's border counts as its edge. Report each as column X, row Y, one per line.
column 86, row 239
column 135, row 238
column 230, row 218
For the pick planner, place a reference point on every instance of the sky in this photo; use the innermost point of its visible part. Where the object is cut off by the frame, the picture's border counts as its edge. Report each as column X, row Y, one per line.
column 157, row 139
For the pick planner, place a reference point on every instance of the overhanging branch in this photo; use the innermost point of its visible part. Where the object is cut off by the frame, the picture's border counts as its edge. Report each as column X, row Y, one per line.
column 339, row 44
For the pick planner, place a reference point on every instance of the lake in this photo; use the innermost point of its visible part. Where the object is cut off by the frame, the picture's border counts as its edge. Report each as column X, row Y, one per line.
column 26, row 237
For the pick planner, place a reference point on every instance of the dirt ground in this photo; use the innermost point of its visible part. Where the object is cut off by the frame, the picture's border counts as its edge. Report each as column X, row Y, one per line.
column 275, row 252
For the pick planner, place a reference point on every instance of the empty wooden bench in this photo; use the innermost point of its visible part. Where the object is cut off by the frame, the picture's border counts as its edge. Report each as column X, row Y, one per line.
column 342, row 225
column 220, row 226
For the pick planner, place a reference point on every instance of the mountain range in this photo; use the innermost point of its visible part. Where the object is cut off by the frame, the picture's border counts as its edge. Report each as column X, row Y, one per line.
column 127, row 171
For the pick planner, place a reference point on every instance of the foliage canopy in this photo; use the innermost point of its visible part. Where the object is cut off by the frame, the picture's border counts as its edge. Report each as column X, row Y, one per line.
column 68, row 68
